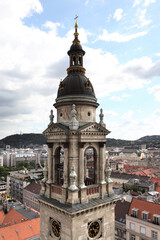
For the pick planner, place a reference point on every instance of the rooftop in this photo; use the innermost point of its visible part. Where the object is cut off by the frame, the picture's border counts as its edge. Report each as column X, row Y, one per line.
column 121, row 209
column 34, row 188
column 141, row 205
column 21, row 231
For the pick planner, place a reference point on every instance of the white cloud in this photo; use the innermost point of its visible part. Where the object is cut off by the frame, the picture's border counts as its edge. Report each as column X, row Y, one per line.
column 156, row 113
column 155, row 90
column 143, row 2
column 117, row 37
column 120, row 98
column 118, row 14
column 117, row 99
column 148, row 2
column 136, row 2
column 141, row 17
column 128, row 115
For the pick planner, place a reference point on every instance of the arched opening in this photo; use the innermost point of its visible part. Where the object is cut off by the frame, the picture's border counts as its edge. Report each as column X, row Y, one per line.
column 59, row 166
column 79, row 61
column 74, row 61
column 90, row 160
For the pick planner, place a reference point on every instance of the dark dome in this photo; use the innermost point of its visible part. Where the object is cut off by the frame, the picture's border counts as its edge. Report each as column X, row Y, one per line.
column 76, row 47
column 76, row 83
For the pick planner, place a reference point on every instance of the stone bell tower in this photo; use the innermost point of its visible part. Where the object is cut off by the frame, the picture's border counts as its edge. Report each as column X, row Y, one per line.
column 76, row 201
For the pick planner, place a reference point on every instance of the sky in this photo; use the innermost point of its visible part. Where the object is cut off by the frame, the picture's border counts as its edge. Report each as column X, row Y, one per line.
column 121, row 40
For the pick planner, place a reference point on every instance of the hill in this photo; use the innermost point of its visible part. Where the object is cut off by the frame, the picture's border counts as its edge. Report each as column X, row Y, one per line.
column 33, row 139
column 23, row 140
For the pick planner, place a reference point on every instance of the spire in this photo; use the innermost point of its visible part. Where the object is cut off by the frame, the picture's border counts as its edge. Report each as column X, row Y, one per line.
column 76, row 53
column 76, row 32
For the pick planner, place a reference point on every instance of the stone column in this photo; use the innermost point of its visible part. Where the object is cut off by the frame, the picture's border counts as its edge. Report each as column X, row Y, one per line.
column 81, row 166
column 50, row 162
column 102, row 161
column 65, row 176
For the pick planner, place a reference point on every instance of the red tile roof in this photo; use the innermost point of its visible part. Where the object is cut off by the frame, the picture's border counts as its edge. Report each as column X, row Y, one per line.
column 21, row 231
column 13, row 217
column 152, row 208
column 2, row 215
column 144, row 172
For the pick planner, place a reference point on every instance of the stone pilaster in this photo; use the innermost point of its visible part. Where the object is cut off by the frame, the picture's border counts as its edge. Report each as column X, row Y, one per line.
column 66, row 181
column 81, row 166
column 102, row 161
column 50, row 162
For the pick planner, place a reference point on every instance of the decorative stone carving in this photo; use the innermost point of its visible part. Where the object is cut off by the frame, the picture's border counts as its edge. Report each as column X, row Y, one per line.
column 108, row 171
column 73, row 177
column 51, row 116
column 45, row 172
column 101, row 115
column 74, row 124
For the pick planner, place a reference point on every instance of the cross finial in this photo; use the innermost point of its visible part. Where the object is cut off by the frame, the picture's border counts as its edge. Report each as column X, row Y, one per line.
column 76, row 17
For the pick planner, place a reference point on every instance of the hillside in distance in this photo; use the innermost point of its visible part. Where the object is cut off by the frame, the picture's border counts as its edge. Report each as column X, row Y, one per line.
column 38, row 139
column 23, row 140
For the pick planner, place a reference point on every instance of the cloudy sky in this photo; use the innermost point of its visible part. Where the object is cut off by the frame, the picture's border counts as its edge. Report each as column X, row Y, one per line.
column 122, row 43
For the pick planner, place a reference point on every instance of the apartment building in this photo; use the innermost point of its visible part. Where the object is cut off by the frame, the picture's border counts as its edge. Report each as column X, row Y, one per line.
column 143, row 220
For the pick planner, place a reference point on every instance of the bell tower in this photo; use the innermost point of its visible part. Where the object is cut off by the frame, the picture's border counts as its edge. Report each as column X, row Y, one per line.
column 76, row 201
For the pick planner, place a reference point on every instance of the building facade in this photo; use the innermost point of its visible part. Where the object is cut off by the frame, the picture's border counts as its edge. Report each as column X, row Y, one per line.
column 76, row 200
column 143, row 221
column 30, row 194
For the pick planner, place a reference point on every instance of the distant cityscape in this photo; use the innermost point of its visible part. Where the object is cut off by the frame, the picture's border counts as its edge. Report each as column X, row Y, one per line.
column 135, row 178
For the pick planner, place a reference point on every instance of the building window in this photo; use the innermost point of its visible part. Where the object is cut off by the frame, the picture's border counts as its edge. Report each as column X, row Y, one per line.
column 145, row 215
column 143, row 230
column 134, row 212
column 133, row 237
column 154, row 235
column 132, row 226
column 156, row 219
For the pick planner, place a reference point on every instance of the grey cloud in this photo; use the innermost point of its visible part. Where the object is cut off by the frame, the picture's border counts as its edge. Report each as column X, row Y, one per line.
column 15, row 73
column 57, row 70
column 139, row 71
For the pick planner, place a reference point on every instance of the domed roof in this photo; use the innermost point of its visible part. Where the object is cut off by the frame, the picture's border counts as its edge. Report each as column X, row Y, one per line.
column 76, row 47
column 76, row 83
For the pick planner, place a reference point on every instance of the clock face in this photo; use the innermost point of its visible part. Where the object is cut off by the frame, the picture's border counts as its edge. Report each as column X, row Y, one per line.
column 56, row 228
column 94, row 229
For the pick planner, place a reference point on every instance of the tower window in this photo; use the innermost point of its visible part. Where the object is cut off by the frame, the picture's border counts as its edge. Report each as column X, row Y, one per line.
column 89, row 114
column 59, row 164
column 90, row 166
column 61, row 114
column 79, row 61
column 74, row 61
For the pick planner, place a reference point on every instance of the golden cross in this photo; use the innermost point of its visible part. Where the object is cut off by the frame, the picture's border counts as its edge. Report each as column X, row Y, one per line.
column 76, row 17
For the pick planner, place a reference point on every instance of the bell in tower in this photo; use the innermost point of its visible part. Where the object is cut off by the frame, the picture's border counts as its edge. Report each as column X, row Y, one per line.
column 76, row 202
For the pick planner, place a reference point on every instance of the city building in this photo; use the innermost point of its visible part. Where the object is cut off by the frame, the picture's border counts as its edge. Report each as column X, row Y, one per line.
column 30, row 194
column 142, row 185
column 143, row 220
column 18, row 180
column 3, row 187
column 121, row 209
column 77, row 201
